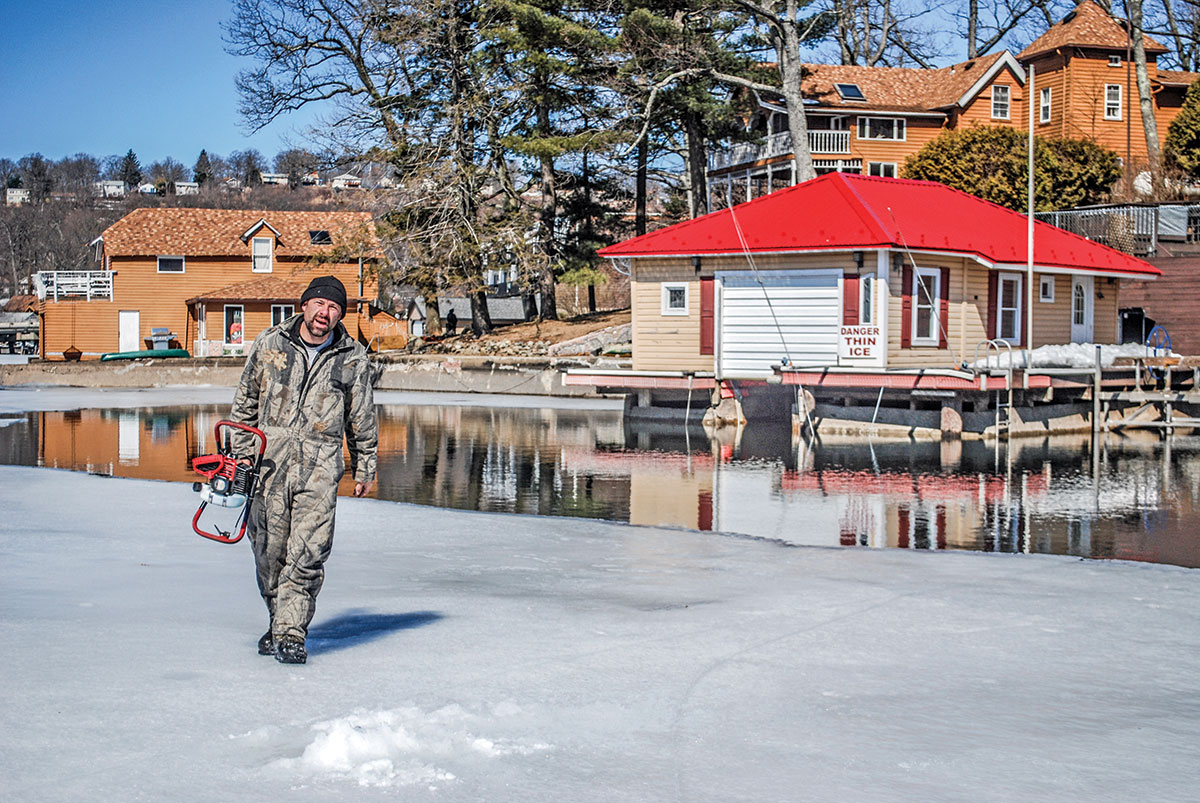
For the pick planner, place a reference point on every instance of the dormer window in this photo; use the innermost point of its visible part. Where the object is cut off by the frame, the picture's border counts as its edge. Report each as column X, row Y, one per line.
column 850, row 92
column 319, row 237
column 1000, row 101
column 264, row 254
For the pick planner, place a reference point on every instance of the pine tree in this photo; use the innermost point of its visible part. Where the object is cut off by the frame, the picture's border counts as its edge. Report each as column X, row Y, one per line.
column 130, row 170
column 202, row 172
column 1183, row 137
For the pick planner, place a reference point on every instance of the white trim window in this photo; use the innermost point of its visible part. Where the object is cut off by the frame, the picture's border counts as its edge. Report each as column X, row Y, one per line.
column 1114, row 61
column 235, row 324
column 866, row 299
column 1046, row 292
column 1001, row 101
column 882, row 128
column 926, row 296
column 1044, row 106
column 281, row 312
column 171, row 264
column 675, row 298
column 1008, row 307
column 1112, row 101
column 882, row 169
column 264, row 254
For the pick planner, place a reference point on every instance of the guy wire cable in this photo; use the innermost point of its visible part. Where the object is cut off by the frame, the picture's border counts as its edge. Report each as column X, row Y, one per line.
column 933, row 305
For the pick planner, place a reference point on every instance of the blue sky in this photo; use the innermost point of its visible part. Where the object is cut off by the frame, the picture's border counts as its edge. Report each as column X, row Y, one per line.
column 102, row 77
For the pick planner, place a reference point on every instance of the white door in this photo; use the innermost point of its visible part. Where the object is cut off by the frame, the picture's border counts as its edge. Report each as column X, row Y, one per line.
column 128, row 329
column 1082, row 301
column 775, row 316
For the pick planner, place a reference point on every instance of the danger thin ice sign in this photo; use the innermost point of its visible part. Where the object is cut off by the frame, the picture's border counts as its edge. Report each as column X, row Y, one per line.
column 860, row 343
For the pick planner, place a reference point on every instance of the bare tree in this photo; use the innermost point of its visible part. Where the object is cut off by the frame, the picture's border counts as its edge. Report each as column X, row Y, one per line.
column 888, row 33
column 1145, row 98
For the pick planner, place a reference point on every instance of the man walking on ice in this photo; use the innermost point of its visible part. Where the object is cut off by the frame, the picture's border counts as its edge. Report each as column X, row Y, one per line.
column 306, row 385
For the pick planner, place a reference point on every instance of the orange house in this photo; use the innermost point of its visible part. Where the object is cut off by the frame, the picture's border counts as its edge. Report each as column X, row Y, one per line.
column 868, row 120
column 207, row 280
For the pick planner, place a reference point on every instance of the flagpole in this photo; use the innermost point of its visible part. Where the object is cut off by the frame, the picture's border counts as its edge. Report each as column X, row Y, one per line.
column 1032, row 100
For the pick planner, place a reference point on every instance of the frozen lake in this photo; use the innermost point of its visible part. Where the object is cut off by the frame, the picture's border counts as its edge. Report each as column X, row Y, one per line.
column 1139, row 500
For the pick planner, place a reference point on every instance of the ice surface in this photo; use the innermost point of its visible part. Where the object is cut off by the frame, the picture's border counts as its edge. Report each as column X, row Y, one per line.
column 460, row 656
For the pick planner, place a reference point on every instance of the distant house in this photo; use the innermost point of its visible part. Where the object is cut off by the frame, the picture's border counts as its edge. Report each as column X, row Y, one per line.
column 231, row 185
column 148, row 188
column 881, row 274
column 277, row 179
column 503, row 310
column 312, row 179
column 14, row 196
column 214, row 278
column 109, row 189
column 187, row 188
column 346, row 181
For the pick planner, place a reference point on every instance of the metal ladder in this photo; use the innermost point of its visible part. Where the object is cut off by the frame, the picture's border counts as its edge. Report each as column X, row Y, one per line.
column 1003, row 407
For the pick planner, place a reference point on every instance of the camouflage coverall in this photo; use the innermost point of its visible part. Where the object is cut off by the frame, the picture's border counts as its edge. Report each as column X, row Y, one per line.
column 304, row 412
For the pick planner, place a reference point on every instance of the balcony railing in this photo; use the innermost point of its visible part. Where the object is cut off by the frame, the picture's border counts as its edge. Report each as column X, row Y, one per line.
column 59, row 284
column 1130, row 228
column 833, row 142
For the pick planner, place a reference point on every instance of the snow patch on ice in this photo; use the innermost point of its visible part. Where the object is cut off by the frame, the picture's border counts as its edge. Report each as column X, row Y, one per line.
column 1071, row 355
column 405, row 746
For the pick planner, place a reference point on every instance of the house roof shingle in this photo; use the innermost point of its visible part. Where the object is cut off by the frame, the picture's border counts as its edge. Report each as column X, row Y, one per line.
column 898, row 88
column 217, row 232
column 20, row 303
column 843, row 211
column 1088, row 25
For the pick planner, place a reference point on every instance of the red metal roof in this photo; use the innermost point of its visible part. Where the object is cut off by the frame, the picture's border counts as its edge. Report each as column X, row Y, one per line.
column 845, row 211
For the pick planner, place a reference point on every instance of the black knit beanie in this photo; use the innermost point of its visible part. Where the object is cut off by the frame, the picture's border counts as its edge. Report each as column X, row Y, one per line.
column 327, row 287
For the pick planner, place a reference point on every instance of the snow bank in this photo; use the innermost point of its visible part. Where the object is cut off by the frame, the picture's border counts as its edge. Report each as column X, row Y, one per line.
column 1071, row 355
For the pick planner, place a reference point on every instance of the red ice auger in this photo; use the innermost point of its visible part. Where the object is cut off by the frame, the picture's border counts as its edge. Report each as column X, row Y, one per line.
column 227, row 481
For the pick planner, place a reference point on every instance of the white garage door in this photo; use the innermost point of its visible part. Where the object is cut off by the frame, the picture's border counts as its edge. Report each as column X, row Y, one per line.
column 807, row 311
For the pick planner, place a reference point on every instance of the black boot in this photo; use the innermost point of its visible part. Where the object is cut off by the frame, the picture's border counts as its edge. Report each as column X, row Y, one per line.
column 266, row 644
column 290, row 650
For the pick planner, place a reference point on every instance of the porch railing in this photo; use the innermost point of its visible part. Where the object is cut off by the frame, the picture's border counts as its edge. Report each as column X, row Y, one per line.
column 778, row 145
column 59, row 284
column 1134, row 229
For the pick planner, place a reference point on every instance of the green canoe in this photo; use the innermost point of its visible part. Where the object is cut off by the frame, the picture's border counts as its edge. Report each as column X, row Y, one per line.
column 145, row 354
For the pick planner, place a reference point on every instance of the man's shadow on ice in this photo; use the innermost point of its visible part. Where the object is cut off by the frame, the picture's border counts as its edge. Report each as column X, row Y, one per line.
column 357, row 627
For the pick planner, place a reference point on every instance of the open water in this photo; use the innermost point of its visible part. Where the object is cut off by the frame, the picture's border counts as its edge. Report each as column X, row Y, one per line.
column 1136, row 497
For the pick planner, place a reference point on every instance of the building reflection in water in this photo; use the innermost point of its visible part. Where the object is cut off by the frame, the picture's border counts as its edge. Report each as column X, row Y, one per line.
column 1140, row 499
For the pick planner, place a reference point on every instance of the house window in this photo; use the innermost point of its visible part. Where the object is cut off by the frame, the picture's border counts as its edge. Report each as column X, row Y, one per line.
column 1044, row 115
column 866, row 299
column 1000, row 101
column 926, row 291
column 1046, row 294
column 281, row 312
column 1009, row 310
column 1114, row 61
column 264, row 251
column 675, row 298
column 881, row 128
column 1112, row 101
column 233, row 324
column 850, row 92
column 170, row 264
column 884, row 169
column 1078, row 306
column 320, row 237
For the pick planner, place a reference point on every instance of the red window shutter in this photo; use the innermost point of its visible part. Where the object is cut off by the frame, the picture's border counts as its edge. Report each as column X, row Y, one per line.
column 906, row 310
column 944, row 309
column 850, row 299
column 993, row 300
column 707, row 307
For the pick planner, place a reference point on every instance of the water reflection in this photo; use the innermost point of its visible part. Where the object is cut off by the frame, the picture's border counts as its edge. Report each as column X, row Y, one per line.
column 1136, row 498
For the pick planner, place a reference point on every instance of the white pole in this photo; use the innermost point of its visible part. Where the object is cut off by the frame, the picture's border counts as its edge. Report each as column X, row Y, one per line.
column 1031, row 98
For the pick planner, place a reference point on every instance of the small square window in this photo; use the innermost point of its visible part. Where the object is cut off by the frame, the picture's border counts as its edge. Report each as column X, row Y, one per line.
column 675, row 298
column 883, row 169
column 170, row 264
column 1114, row 61
column 1046, row 293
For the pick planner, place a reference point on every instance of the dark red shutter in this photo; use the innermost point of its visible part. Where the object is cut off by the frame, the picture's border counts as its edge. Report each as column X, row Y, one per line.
column 993, row 300
column 944, row 309
column 705, row 511
column 906, row 310
column 850, row 299
column 707, row 307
